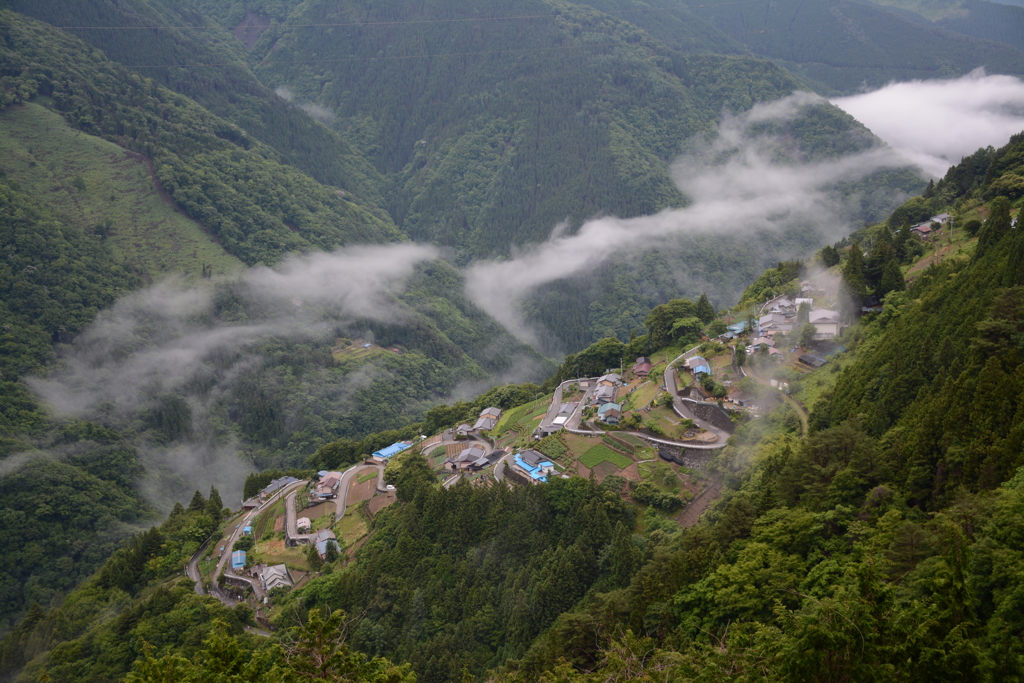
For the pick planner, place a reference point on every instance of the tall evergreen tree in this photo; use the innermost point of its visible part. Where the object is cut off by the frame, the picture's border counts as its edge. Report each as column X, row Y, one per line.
column 853, row 277
column 995, row 227
column 829, row 256
column 881, row 253
column 892, row 279
column 198, row 503
column 214, row 505
column 899, row 242
column 705, row 311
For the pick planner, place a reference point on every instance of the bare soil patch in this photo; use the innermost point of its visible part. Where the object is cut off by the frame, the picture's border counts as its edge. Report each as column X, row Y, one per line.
column 357, row 492
column 378, row 503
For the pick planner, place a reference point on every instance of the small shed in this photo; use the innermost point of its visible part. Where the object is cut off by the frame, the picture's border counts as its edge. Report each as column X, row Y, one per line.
column 238, row 559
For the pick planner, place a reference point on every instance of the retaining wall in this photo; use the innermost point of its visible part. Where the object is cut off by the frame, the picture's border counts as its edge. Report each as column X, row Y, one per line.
column 709, row 412
column 687, row 457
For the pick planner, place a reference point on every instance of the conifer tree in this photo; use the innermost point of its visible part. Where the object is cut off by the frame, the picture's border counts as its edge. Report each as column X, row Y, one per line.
column 899, row 243
column 892, row 279
column 198, row 503
column 853, row 276
column 214, row 505
column 829, row 256
column 997, row 225
column 705, row 311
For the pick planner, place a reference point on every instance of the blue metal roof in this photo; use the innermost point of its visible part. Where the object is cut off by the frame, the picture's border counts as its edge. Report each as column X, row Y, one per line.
column 534, row 472
column 391, row 450
column 238, row 559
column 608, row 406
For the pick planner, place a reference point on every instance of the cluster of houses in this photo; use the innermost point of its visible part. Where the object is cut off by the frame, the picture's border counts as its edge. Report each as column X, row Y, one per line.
column 484, row 423
column 473, row 458
column 604, row 397
column 782, row 317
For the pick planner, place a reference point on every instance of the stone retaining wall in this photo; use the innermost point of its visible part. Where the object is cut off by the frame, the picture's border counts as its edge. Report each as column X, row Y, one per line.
column 709, row 412
column 687, row 457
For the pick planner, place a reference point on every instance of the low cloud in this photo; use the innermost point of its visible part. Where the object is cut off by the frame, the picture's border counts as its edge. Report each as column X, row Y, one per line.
column 163, row 340
column 321, row 114
column 936, row 123
column 737, row 186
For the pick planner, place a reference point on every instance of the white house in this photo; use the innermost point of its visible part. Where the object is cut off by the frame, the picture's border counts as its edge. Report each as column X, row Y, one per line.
column 826, row 322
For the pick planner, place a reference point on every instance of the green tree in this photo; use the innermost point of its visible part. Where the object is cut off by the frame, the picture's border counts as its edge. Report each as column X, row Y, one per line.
column 892, row 279
column 807, row 332
column 853, row 278
column 214, row 505
column 705, row 311
column 996, row 226
column 829, row 256
column 198, row 503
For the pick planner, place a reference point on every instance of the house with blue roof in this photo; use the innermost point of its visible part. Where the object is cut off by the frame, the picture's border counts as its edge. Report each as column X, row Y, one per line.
column 736, row 329
column 393, row 449
column 247, row 530
column 610, row 413
column 698, row 366
column 238, row 559
column 534, row 464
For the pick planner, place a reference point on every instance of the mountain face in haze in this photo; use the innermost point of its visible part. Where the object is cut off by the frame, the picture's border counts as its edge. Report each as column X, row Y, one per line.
column 842, row 47
column 499, row 125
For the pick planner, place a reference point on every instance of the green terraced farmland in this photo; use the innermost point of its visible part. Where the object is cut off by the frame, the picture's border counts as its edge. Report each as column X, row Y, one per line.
column 601, row 453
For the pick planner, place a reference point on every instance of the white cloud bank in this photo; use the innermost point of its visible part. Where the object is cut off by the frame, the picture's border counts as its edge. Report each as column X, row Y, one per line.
column 737, row 186
column 935, row 123
column 161, row 340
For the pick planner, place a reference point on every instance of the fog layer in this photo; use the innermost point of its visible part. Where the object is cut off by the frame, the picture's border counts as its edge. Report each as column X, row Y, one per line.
column 936, row 123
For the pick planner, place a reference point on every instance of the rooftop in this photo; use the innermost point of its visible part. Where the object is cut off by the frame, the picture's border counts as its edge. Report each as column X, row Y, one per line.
column 393, row 449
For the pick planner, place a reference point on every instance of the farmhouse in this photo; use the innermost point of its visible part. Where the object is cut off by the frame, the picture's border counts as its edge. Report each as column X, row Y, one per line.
column 643, row 367
column 488, row 418
column 328, row 486
column 466, row 458
column 698, row 366
column 534, row 464
column 275, row 577
column 826, row 323
column 276, row 485
column 610, row 413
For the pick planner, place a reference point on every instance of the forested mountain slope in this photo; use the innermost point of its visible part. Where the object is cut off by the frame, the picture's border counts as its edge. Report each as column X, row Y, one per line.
column 198, row 59
column 561, row 115
column 856, row 551
column 72, row 232
column 107, row 191
column 497, row 122
column 988, row 21
column 842, row 46
column 257, row 207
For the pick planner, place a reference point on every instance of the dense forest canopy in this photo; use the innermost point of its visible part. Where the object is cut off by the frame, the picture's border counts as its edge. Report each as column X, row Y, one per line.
column 877, row 531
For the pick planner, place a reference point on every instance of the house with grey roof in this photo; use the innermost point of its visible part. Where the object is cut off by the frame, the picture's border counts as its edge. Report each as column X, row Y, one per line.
column 276, row 576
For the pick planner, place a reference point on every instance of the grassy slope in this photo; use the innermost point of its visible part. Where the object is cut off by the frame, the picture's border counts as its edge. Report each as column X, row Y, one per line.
column 147, row 231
